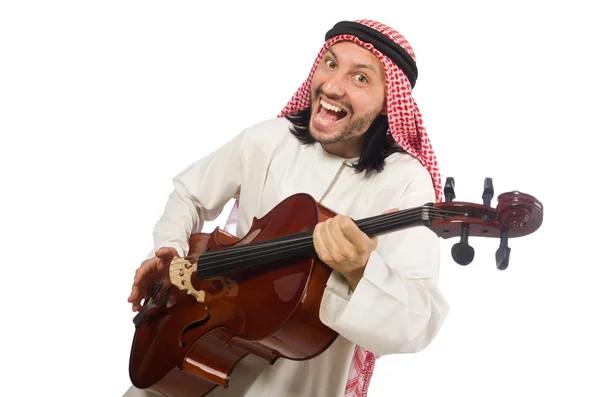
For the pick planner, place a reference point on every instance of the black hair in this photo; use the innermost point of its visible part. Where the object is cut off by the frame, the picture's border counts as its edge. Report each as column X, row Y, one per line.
column 376, row 147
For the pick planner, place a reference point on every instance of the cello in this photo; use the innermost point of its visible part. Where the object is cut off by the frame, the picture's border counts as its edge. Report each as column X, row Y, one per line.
column 190, row 335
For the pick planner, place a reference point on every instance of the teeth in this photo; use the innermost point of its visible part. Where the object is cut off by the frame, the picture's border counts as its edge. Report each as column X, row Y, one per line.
column 330, row 107
column 324, row 121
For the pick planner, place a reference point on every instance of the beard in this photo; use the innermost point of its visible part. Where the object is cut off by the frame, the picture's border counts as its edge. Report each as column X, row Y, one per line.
column 355, row 125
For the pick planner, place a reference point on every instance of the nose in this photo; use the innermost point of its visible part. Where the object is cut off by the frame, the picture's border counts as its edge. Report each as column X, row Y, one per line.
column 334, row 86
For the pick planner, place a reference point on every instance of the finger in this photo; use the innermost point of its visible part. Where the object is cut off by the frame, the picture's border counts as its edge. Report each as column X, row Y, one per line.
column 343, row 244
column 334, row 250
column 327, row 238
column 135, row 295
column 143, row 270
column 320, row 248
column 359, row 240
column 165, row 256
column 137, row 306
column 140, row 281
column 149, row 267
column 166, row 253
column 135, row 302
column 391, row 210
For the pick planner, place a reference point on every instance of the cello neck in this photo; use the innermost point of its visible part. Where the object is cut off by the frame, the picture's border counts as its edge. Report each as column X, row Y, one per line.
column 300, row 245
column 398, row 220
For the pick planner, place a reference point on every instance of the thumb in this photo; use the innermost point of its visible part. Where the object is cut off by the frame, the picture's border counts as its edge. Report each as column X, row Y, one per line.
column 390, row 211
column 166, row 253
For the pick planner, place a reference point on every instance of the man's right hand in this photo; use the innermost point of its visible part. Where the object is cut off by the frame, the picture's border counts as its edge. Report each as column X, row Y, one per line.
column 150, row 272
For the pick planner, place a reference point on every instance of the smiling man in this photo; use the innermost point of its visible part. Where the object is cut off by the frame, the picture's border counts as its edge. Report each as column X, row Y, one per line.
column 353, row 138
column 348, row 93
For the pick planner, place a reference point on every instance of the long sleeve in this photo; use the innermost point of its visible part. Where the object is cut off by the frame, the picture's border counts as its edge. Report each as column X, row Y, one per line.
column 200, row 193
column 397, row 306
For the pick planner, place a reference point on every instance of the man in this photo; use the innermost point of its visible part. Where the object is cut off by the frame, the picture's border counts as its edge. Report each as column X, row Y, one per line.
column 353, row 138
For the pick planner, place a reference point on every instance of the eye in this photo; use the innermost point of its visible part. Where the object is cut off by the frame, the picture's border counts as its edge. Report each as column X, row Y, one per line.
column 361, row 78
column 329, row 63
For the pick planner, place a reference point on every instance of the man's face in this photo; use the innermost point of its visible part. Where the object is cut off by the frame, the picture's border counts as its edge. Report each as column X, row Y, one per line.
column 348, row 93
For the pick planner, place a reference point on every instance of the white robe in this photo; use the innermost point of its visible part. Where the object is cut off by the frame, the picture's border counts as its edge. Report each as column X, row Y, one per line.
column 396, row 307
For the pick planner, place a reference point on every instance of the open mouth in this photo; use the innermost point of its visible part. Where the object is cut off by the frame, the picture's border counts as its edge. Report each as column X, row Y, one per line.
column 329, row 114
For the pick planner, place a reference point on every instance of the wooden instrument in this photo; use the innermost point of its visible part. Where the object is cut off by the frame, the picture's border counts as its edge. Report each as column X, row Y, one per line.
column 261, row 294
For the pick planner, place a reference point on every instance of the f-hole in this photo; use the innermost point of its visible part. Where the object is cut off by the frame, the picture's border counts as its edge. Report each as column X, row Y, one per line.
column 192, row 326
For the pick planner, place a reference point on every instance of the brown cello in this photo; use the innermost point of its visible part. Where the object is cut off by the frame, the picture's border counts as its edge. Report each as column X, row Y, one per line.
column 261, row 294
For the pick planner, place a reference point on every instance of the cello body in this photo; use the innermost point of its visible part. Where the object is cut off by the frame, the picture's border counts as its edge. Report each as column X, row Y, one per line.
column 184, row 348
column 261, row 294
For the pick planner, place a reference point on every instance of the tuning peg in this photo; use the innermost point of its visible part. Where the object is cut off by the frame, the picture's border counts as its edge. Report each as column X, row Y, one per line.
column 503, row 252
column 488, row 192
column 462, row 252
column 449, row 189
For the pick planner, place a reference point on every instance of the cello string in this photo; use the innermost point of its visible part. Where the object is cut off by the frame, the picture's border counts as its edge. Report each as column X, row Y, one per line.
column 255, row 251
column 284, row 241
column 379, row 220
column 213, row 262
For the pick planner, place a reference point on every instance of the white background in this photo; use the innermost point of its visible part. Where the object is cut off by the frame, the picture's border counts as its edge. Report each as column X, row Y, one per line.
column 102, row 103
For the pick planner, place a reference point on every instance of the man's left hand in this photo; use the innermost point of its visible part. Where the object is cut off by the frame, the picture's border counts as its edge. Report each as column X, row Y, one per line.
column 341, row 245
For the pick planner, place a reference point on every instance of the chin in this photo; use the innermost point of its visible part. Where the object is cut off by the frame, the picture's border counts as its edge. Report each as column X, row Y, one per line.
column 326, row 135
